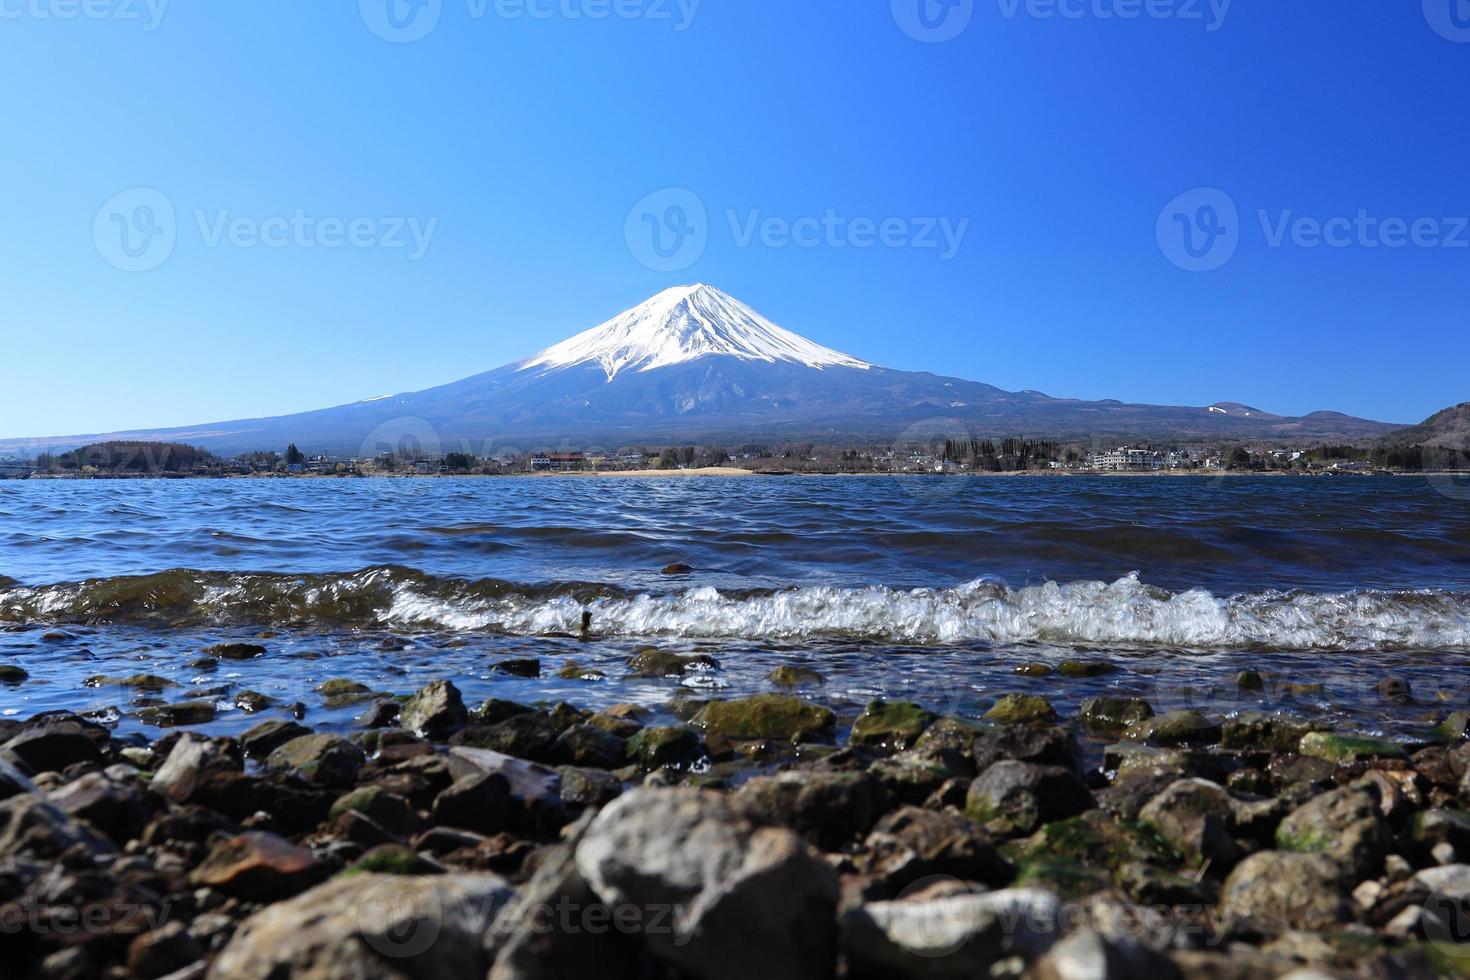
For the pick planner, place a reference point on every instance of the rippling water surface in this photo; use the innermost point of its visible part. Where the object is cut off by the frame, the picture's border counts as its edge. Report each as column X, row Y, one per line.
column 932, row 588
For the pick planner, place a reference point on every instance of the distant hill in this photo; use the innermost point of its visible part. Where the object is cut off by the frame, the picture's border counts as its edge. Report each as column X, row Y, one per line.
column 1449, row 429
column 695, row 365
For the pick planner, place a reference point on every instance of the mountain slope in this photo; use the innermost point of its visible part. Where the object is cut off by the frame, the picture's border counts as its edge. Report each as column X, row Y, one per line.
column 1447, row 429
column 694, row 364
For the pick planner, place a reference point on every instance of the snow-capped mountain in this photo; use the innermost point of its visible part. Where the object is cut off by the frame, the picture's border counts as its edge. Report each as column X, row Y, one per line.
column 683, row 324
column 693, row 364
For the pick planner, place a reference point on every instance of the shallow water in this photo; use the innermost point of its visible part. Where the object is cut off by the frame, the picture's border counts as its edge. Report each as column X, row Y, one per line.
column 928, row 588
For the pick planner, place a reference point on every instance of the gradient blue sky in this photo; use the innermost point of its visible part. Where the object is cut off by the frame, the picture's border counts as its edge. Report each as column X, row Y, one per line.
column 529, row 139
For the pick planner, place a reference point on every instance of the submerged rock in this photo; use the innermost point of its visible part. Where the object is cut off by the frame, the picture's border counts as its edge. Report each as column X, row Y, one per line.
column 788, row 675
column 653, row 662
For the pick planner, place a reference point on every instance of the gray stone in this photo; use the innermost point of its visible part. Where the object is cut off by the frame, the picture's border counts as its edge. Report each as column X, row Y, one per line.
column 1280, row 891
column 1012, row 798
column 436, row 711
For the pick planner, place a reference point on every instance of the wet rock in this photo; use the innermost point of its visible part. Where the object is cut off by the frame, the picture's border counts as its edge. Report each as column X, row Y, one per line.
column 789, row 675
column 663, row 745
column 526, row 736
column 253, row 701
column 1111, row 715
column 1021, row 708
column 1455, row 727
column 590, row 746
column 1395, row 690
column 1085, row 668
column 264, row 738
column 518, row 667
column 479, row 802
column 954, row 936
column 1193, row 816
column 573, row 671
column 1249, row 680
column 382, row 713
column 916, row 775
column 140, row 682
column 773, row 716
column 1278, row 891
column 194, row 767
column 162, row 951
column 339, row 692
column 890, row 725
column 829, row 809
column 1175, row 728
column 1047, row 745
column 1012, row 798
column 653, row 662
column 495, row 710
column 1344, row 824
column 1034, row 669
column 1088, row 955
column 12, row 674
column 329, row 760
column 1256, row 731
column 436, row 711
column 911, row 844
column 1348, row 748
column 258, row 867
column 1300, row 770
column 235, row 651
column 50, row 744
column 676, row 568
column 180, row 713
column 754, row 901
column 388, row 810
column 382, row 927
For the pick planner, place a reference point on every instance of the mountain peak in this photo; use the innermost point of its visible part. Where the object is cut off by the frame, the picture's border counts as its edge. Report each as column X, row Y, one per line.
column 683, row 323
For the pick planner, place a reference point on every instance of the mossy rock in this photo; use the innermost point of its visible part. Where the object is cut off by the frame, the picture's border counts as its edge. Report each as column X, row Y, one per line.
column 182, row 713
column 1062, row 875
column 338, row 686
column 1085, row 668
column 392, row 859
column 653, row 662
column 663, row 745
column 1098, row 840
column 891, row 725
column 1348, row 748
column 1111, row 715
column 573, row 671
column 1022, row 708
column 789, row 675
column 1452, row 729
column 11, row 674
column 1175, row 728
column 140, row 682
column 1033, row 669
column 1255, row 731
column 773, row 716
column 949, row 733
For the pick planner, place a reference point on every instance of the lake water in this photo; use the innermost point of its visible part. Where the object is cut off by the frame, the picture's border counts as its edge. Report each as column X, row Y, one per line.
column 927, row 588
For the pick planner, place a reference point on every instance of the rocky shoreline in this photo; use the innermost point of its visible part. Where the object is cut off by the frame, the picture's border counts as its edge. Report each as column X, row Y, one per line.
column 505, row 840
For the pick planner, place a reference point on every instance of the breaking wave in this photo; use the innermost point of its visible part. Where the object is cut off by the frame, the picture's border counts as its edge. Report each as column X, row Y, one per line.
column 1124, row 612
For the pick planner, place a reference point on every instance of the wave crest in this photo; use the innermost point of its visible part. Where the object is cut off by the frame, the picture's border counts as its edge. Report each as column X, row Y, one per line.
column 1125, row 612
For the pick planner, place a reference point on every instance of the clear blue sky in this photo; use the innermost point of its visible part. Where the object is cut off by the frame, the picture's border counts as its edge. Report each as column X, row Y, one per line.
column 526, row 140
